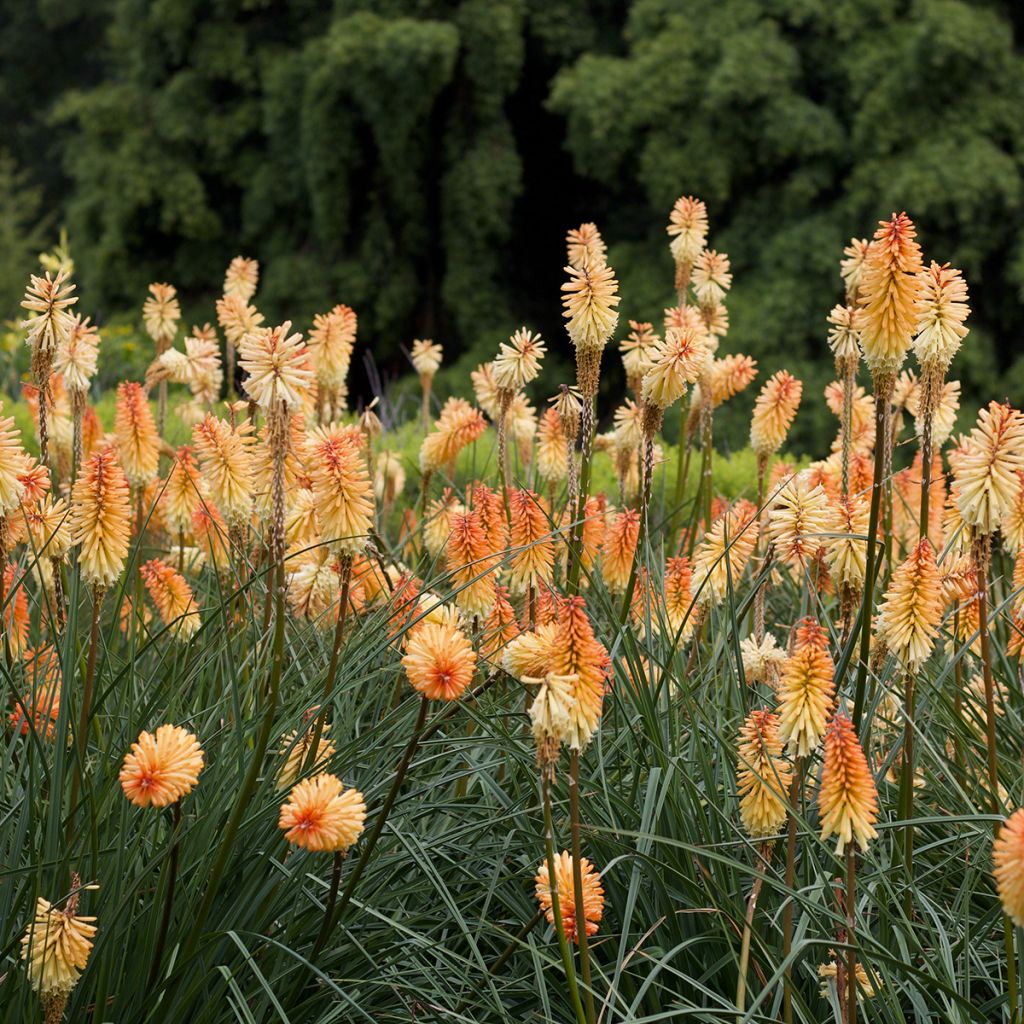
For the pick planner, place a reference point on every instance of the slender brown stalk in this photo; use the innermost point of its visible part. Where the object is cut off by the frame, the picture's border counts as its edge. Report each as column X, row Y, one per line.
column 851, row 949
column 787, row 914
column 907, row 792
column 577, row 884
column 378, row 827
column 81, row 735
column 982, row 561
column 764, row 853
column 172, row 877
column 559, row 924
column 345, row 571
column 881, row 445
column 332, row 898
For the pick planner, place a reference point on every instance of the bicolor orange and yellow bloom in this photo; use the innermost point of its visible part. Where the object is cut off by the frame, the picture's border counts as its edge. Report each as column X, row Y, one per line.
column 909, row 618
column 593, row 895
column 774, row 412
column 101, row 519
column 806, row 690
column 322, row 815
column 161, row 768
column 848, row 800
column 439, row 661
column 763, row 777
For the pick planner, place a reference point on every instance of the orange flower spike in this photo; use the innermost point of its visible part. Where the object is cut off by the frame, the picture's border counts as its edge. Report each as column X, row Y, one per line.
column 762, row 776
column 593, row 895
column 138, row 443
column 533, row 556
column 172, row 597
column 439, row 661
column 619, row 549
column 576, row 651
column 16, row 614
column 774, row 412
column 184, row 490
column 160, row 769
column 225, row 461
column 848, row 800
column 679, row 603
column 911, row 612
column 341, row 489
column 458, row 425
column 471, row 564
column 501, row 627
column 806, row 690
column 889, row 290
column 101, row 519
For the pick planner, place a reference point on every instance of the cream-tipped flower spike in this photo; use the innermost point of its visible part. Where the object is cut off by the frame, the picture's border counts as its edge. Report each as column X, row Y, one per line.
column 49, row 299
column 889, row 289
column 774, row 412
column 941, row 311
column 806, row 689
column 278, row 367
column 910, row 615
column 848, row 800
column 101, row 519
column 985, row 469
column 688, row 229
column 551, row 716
column 518, row 360
column 161, row 313
column 56, row 948
column 675, row 362
column 590, row 298
column 585, row 245
column 426, row 357
column 763, row 777
column 241, row 278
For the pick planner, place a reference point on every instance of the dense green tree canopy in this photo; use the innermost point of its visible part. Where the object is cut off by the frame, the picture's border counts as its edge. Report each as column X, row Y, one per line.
column 421, row 160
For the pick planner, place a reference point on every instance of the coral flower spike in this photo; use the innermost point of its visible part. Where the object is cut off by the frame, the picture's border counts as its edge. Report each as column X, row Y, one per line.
column 848, row 800
column 161, row 769
column 593, row 895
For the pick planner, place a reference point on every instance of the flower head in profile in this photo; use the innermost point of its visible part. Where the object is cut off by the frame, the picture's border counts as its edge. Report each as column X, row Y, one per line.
column 295, row 751
column 593, row 895
column 688, row 229
column 160, row 769
column 724, row 552
column 844, row 337
column 531, row 540
column 518, row 360
column 13, row 464
column 762, row 775
column 589, row 300
column 321, row 815
column 679, row 604
column 161, row 313
column 806, row 689
column 985, row 469
column 851, row 268
column 278, row 367
column 237, row 318
column 762, row 661
column 585, row 245
column 774, row 412
column 889, row 289
column 458, row 426
column 637, row 350
column 101, row 518
column 576, row 652
column 551, row 717
column 941, row 311
column 56, row 947
column 77, row 355
column 910, row 615
column 49, row 299
column 846, row 542
column 711, row 278
column 798, row 519
column 341, row 488
column 38, row 710
column 241, row 278
column 552, row 457
column 848, row 801
column 226, row 465
column 528, row 656
column 173, row 598
column 619, row 548
column 426, row 357
column 439, row 661
column 677, row 361
column 138, row 442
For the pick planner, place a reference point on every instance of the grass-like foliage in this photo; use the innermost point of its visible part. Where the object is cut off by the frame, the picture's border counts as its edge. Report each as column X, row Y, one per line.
column 694, row 681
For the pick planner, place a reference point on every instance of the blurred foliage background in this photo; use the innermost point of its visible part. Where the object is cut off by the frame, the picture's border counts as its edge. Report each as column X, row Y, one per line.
column 421, row 161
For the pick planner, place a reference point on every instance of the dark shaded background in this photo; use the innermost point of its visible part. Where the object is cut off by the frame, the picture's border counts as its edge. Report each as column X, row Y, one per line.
column 421, row 161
